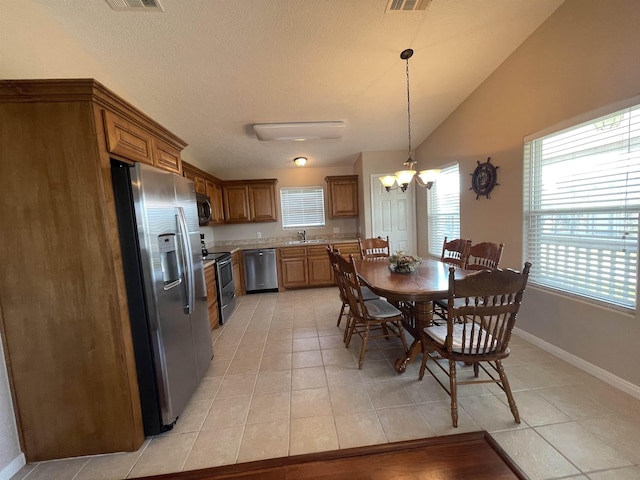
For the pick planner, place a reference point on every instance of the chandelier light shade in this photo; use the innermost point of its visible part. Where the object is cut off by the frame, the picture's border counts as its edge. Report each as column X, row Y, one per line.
column 404, row 177
column 300, row 161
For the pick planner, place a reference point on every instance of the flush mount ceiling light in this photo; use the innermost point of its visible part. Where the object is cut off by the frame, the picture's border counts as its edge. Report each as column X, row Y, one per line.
column 403, row 178
column 300, row 161
column 298, row 132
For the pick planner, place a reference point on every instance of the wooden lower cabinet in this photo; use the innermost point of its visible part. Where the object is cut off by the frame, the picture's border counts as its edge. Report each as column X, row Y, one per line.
column 212, row 298
column 320, row 272
column 348, row 248
column 305, row 267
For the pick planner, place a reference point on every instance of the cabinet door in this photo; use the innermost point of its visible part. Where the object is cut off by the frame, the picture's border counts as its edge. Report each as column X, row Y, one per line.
column 343, row 196
column 198, row 181
column 166, row 157
column 236, row 203
column 262, row 202
column 127, row 140
column 294, row 272
column 320, row 272
column 214, row 192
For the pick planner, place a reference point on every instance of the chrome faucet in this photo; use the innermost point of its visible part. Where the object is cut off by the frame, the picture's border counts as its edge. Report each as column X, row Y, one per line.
column 303, row 234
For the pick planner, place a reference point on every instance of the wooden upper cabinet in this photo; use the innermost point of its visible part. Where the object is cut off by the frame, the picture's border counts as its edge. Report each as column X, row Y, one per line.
column 166, row 156
column 236, row 203
column 262, row 202
column 247, row 201
column 214, row 192
column 196, row 177
column 343, row 196
column 131, row 142
column 127, row 140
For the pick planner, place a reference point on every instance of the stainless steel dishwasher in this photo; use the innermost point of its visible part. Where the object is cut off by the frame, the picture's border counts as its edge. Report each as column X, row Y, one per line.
column 260, row 270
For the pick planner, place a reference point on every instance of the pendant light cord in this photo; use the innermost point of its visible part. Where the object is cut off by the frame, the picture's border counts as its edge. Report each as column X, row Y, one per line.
column 408, row 109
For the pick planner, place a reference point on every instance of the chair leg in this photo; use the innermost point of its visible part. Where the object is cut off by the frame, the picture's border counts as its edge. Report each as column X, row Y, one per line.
column 507, row 390
column 423, row 365
column 365, row 337
column 453, row 388
column 342, row 312
column 350, row 328
column 476, row 369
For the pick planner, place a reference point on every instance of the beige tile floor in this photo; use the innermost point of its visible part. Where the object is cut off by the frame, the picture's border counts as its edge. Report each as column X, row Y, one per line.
column 282, row 383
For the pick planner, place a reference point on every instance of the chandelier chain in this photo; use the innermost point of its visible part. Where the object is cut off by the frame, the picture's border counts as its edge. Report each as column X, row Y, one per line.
column 408, row 109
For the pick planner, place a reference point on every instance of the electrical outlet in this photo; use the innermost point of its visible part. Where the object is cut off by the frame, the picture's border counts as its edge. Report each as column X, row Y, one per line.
column 336, row 229
column 259, row 234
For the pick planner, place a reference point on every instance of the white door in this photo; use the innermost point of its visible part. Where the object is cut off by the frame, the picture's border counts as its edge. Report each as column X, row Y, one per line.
column 393, row 215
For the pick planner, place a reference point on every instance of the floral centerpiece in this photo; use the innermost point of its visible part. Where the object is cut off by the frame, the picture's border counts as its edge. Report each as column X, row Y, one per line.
column 402, row 262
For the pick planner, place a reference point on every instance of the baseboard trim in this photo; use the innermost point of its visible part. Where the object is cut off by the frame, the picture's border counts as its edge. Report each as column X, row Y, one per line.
column 617, row 382
column 14, row 467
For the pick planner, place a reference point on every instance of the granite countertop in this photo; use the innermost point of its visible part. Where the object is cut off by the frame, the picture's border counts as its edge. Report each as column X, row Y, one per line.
column 274, row 244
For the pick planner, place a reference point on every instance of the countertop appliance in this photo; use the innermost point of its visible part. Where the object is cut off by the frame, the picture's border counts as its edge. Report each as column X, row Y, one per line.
column 260, row 270
column 225, row 285
column 166, row 291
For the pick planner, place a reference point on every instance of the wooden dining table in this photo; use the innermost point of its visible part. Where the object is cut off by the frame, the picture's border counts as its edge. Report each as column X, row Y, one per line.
column 413, row 293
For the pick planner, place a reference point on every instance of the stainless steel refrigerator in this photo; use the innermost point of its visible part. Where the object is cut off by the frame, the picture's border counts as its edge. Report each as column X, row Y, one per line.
column 166, row 291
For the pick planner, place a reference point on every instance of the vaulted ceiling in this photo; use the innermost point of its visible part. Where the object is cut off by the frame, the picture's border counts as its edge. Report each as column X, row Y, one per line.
column 210, row 69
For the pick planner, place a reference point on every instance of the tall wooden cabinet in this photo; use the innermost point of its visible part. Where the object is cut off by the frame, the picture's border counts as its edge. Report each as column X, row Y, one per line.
column 64, row 317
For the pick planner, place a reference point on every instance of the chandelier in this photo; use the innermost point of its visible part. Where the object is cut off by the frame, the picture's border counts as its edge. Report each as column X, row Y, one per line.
column 424, row 178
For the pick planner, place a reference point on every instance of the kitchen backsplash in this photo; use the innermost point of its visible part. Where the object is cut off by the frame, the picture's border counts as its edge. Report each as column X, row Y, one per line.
column 259, row 241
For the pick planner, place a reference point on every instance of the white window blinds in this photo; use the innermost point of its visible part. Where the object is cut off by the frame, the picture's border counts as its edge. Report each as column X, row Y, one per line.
column 443, row 209
column 581, row 206
column 302, row 207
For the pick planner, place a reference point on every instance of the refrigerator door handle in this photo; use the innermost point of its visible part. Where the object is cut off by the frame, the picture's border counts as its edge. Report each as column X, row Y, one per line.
column 187, row 262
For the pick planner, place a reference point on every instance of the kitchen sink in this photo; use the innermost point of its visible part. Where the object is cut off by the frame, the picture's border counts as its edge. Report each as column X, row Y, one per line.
column 305, row 242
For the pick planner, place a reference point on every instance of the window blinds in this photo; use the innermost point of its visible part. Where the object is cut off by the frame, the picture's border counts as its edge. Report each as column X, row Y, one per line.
column 443, row 212
column 302, row 207
column 581, row 207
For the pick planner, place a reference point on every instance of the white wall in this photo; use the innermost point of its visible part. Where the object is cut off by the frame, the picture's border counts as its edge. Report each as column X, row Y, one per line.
column 583, row 57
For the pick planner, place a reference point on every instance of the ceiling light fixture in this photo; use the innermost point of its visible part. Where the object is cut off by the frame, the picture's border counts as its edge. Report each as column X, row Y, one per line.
column 300, row 161
column 299, row 132
column 403, row 177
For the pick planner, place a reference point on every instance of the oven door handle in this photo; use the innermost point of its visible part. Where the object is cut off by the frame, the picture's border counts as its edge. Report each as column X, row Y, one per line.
column 223, row 263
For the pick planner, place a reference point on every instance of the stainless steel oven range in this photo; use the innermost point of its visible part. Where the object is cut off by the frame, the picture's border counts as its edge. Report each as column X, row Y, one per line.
column 224, row 284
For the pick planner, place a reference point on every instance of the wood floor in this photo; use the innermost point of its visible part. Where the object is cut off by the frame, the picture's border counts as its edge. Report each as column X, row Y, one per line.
column 463, row 456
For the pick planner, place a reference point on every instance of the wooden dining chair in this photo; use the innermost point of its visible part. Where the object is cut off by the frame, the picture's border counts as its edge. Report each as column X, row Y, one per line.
column 455, row 252
column 484, row 256
column 372, row 319
column 477, row 331
column 374, row 247
column 344, row 309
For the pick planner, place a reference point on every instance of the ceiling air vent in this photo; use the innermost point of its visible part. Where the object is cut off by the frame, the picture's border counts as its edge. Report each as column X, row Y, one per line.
column 136, row 5
column 406, row 5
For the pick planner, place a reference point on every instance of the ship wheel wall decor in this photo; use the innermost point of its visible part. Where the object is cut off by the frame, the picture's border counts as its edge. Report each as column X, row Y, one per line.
column 484, row 178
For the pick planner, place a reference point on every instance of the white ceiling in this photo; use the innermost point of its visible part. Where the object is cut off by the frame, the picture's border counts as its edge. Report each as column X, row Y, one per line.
column 209, row 69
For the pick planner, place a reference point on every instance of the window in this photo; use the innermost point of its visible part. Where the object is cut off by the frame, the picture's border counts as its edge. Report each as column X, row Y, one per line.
column 302, row 207
column 581, row 205
column 443, row 202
